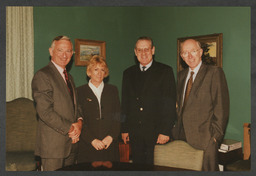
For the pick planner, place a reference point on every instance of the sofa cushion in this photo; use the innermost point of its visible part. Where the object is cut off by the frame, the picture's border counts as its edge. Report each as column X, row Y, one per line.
column 20, row 161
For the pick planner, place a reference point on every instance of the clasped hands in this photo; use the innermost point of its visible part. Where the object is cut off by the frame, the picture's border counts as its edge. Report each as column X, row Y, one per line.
column 162, row 139
column 104, row 144
column 75, row 131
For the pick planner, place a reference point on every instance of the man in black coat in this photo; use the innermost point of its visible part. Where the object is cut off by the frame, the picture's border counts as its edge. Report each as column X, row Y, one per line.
column 148, row 103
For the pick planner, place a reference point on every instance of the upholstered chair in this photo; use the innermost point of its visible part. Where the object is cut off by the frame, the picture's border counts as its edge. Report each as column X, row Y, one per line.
column 178, row 154
column 21, row 124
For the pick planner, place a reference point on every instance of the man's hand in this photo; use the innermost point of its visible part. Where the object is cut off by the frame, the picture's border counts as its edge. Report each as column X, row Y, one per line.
column 75, row 131
column 98, row 144
column 107, row 141
column 125, row 137
column 75, row 140
column 162, row 139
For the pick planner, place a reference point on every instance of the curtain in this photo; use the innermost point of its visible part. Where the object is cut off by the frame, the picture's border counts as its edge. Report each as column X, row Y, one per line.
column 19, row 52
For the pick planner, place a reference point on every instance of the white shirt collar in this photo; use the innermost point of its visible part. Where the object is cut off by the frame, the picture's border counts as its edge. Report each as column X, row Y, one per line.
column 97, row 90
column 195, row 69
column 60, row 70
column 194, row 76
column 147, row 66
column 100, row 86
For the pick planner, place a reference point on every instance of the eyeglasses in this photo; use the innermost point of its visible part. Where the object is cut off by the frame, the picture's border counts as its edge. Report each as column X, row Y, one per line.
column 145, row 50
column 193, row 53
column 60, row 51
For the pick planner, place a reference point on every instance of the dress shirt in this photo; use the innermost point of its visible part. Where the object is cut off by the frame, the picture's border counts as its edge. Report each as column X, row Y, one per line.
column 97, row 90
column 147, row 66
column 188, row 76
column 60, row 69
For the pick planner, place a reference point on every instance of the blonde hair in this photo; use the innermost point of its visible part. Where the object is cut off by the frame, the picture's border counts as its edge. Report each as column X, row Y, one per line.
column 97, row 60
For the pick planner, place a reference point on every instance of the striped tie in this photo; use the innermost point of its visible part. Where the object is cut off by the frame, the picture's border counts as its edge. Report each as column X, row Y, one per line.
column 68, row 84
column 188, row 89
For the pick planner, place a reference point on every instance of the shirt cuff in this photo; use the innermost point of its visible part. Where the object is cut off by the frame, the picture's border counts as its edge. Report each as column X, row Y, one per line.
column 80, row 118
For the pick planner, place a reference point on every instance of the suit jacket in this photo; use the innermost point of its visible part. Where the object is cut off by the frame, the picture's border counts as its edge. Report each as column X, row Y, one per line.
column 148, row 100
column 55, row 111
column 99, row 124
column 206, row 113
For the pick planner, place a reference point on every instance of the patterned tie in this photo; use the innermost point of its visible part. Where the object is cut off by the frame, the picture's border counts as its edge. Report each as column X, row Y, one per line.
column 188, row 89
column 68, row 84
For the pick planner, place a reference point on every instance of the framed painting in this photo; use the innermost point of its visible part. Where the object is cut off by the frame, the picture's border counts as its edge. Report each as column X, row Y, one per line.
column 85, row 49
column 212, row 50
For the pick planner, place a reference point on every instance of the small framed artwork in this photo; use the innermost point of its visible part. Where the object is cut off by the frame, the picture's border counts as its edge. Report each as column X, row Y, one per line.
column 85, row 49
column 212, row 50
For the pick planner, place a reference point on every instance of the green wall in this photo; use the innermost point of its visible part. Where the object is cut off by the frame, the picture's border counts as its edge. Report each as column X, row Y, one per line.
column 121, row 26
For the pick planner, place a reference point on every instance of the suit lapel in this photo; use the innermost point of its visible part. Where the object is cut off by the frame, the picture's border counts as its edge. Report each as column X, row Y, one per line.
column 197, row 83
column 74, row 92
column 61, row 81
column 199, row 79
column 147, row 80
column 149, row 76
column 137, row 81
column 183, row 76
column 104, row 94
column 91, row 96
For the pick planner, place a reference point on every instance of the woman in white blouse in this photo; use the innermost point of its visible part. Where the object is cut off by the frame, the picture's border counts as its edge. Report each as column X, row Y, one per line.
column 101, row 111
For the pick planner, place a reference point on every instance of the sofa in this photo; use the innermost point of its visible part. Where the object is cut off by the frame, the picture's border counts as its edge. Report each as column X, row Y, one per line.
column 21, row 124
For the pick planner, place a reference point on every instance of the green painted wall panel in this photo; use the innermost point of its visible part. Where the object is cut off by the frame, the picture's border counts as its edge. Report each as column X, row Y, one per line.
column 121, row 26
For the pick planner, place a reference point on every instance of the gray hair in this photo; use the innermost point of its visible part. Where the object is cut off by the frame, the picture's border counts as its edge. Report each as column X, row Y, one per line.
column 197, row 42
column 144, row 38
column 61, row 37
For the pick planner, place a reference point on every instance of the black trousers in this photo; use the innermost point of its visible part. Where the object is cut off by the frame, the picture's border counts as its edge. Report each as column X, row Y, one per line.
column 142, row 147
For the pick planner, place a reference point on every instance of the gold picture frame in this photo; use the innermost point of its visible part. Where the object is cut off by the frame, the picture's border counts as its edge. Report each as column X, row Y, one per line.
column 85, row 49
column 212, row 46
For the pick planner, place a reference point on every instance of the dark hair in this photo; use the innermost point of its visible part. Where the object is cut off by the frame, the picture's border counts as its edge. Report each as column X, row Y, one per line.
column 144, row 38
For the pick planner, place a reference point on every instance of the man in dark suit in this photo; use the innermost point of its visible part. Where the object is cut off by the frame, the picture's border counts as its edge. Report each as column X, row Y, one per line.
column 203, row 112
column 60, row 121
column 148, row 103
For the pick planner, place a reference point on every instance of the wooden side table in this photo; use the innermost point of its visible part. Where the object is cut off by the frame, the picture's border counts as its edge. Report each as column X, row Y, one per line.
column 230, row 157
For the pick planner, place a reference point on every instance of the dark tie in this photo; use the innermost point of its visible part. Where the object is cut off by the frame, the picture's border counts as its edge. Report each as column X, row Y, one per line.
column 143, row 68
column 68, row 84
column 188, row 89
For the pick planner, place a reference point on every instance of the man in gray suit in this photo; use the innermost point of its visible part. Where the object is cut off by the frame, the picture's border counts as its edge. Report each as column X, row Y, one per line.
column 203, row 113
column 60, row 121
